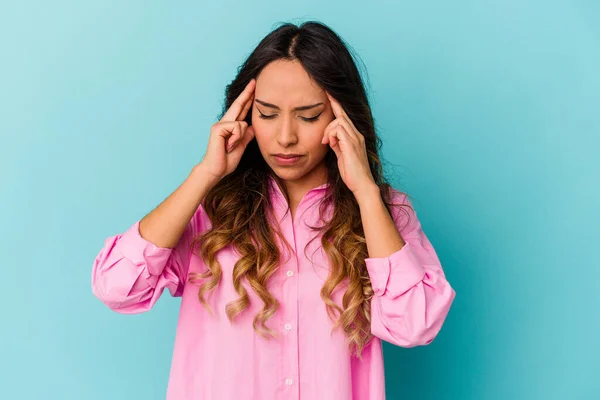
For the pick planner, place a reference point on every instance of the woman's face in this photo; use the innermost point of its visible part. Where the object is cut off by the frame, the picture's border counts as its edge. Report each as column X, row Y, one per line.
column 289, row 116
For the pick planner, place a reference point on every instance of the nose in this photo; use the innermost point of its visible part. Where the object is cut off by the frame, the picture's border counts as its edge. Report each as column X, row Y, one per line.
column 287, row 133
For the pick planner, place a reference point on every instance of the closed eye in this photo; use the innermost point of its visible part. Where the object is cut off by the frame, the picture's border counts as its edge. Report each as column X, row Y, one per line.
column 312, row 119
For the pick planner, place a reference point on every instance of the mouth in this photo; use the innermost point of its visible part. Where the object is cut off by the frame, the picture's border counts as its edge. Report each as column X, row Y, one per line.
column 289, row 155
column 287, row 159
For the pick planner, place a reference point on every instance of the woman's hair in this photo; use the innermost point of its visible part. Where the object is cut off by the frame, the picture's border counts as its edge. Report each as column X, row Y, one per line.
column 239, row 205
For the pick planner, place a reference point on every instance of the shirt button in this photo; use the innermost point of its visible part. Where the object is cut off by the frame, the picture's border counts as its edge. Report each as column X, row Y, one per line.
column 287, row 327
column 290, row 273
column 289, row 381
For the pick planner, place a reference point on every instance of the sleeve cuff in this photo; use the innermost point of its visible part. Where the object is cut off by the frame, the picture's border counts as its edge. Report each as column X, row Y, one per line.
column 397, row 272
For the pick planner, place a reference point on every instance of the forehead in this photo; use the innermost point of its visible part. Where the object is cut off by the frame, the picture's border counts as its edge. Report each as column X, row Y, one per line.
column 287, row 84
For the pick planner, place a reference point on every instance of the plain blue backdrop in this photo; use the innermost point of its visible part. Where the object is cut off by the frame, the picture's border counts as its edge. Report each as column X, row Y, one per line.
column 490, row 116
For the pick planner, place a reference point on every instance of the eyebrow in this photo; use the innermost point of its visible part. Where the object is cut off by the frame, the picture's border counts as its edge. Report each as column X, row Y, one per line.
column 301, row 108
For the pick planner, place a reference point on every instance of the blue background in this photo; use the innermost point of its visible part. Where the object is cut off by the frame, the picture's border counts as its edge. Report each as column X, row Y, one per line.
column 489, row 112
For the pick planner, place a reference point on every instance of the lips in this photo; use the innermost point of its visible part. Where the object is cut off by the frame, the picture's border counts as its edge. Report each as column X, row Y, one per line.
column 287, row 155
column 287, row 159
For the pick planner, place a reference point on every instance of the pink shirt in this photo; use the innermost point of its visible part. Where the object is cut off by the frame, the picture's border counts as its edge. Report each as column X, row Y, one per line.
column 213, row 359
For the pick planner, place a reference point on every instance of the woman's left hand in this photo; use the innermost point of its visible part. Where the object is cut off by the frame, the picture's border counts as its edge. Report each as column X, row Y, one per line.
column 349, row 147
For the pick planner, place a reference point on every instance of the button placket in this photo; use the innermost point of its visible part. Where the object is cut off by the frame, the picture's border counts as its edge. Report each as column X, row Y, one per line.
column 290, row 320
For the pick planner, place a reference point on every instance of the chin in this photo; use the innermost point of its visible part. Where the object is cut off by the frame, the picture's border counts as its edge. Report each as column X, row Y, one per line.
column 288, row 174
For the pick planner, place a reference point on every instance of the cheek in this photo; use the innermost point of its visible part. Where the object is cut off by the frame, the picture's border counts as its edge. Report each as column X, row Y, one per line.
column 261, row 131
column 265, row 137
column 314, row 137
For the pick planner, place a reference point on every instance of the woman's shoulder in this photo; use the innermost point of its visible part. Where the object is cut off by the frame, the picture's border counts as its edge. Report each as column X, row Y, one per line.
column 200, row 221
column 402, row 208
column 398, row 197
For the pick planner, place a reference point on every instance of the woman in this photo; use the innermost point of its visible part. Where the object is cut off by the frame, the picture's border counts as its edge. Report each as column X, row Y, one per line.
column 293, row 257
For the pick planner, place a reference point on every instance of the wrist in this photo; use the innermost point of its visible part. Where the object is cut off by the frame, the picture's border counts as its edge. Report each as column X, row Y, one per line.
column 368, row 196
column 202, row 177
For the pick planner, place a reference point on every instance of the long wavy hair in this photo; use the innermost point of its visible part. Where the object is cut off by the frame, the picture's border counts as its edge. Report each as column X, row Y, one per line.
column 239, row 205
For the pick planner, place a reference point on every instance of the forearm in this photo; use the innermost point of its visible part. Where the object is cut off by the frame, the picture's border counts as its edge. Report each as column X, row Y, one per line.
column 164, row 225
column 381, row 234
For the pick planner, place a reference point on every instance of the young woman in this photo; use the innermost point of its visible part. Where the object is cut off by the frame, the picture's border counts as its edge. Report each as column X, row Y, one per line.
column 293, row 256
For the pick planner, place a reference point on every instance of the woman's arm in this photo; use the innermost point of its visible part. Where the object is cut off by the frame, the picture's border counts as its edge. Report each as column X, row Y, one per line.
column 132, row 269
column 412, row 296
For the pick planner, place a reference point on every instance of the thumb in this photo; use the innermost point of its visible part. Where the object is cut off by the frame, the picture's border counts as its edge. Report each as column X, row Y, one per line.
column 248, row 135
column 240, row 144
column 337, row 150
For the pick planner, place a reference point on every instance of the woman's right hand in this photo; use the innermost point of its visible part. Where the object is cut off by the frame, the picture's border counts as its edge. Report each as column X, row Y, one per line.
column 229, row 137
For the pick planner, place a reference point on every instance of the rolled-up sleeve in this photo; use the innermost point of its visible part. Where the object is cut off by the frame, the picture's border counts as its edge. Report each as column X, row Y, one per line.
column 130, row 273
column 411, row 294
